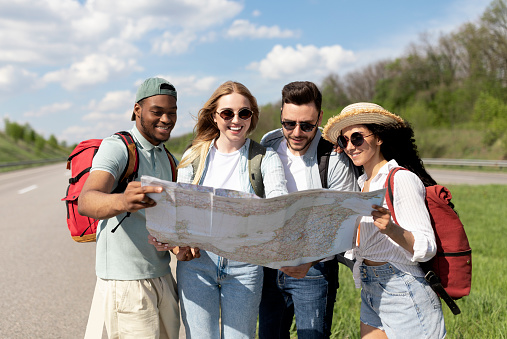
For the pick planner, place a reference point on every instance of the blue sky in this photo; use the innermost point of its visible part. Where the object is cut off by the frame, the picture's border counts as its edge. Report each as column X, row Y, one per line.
column 71, row 68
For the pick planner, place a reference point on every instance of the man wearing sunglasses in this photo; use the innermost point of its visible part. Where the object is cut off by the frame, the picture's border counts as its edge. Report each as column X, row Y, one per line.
column 307, row 291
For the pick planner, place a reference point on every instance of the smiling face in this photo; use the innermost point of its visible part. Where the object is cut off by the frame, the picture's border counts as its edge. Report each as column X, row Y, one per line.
column 156, row 117
column 368, row 153
column 232, row 132
column 298, row 141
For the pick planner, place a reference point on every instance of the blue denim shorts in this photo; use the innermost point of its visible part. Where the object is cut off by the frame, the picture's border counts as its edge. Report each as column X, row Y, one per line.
column 399, row 303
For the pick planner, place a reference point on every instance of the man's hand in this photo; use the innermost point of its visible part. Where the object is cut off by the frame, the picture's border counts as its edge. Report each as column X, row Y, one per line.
column 297, row 272
column 186, row 253
column 161, row 247
column 136, row 197
column 182, row 253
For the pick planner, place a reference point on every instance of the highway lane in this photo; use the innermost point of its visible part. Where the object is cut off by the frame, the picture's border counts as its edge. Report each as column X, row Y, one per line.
column 47, row 280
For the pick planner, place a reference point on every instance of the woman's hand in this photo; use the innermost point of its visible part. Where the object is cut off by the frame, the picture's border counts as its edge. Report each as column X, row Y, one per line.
column 382, row 219
column 182, row 253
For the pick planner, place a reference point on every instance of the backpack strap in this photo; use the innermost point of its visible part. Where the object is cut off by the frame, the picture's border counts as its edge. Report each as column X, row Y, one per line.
column 324, row 149
column 255, row 154
column 389, row 192
column 130, row 171
column 172, row 161
column 195, row 164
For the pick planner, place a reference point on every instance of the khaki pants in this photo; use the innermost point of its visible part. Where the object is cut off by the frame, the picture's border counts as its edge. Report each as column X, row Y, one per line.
column 141, row 308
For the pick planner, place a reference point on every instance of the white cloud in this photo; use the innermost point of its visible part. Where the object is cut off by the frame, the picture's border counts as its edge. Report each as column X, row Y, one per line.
column 103, row 117
column 191, row 85
column 92, row 70
column 14, row 79
column 244, row 28
column 49, row 109
column 103, row 126
column 256, row 13
column 190, row 14
column 304, row 61
column 173, row 44
column 58, row 31
column 113, row 100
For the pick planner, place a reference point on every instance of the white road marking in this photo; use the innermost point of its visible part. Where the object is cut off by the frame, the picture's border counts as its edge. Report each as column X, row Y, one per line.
column 27, row 189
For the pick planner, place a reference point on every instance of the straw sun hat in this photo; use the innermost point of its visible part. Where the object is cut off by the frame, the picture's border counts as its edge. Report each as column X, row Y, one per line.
column 359, row 114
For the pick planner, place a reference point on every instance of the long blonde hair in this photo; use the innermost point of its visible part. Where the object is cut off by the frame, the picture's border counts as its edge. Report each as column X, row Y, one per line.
column 206, row 130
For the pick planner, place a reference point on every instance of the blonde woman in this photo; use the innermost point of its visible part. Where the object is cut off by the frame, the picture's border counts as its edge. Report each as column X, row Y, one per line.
column 212, row 287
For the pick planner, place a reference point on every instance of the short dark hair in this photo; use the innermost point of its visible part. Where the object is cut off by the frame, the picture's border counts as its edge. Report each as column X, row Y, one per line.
column 301, row 93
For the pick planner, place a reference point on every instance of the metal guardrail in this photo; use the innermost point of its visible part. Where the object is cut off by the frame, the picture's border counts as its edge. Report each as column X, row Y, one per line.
column 466, row 162
column 427, row 161
column 31, row 162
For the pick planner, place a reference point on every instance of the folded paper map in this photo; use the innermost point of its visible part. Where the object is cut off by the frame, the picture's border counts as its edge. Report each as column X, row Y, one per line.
column 288, row 230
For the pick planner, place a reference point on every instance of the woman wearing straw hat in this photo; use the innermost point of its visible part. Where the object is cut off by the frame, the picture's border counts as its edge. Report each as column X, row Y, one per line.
column 396, row 300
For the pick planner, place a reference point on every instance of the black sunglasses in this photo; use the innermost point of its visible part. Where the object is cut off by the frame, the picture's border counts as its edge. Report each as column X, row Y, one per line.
column 228, row 114
column 305, row 126
column 357, row 139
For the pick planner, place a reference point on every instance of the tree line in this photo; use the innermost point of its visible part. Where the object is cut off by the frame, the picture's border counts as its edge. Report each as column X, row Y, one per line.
column 453, row 83
column 27, row 134
column 458, row 80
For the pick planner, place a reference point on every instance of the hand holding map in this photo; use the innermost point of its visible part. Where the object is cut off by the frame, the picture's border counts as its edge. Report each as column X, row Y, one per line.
column 288, row 230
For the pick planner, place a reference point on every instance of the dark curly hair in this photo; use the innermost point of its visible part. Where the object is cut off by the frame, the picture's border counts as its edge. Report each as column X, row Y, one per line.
column 398, row 143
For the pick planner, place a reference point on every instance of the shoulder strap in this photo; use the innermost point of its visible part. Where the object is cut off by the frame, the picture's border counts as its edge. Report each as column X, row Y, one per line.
column 172, row 161
column 389, row 192
column 324, row 149
column 255, row 154
column 130, row 171
column 195, row 164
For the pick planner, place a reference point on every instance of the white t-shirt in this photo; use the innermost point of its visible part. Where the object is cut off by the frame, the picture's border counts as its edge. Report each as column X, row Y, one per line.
column 295, row 172
column 223, row 170
column 294, row 167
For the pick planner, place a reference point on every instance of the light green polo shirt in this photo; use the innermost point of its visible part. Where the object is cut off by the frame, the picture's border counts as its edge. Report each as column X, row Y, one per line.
column 126, row 254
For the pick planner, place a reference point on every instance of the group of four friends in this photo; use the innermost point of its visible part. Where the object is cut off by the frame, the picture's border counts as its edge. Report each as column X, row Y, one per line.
column 222, row 298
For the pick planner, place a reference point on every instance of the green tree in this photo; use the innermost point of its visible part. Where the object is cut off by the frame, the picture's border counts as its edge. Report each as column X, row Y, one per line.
column 52, row 141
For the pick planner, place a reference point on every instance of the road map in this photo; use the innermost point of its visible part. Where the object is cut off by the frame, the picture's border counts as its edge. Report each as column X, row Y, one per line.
column 288, row 230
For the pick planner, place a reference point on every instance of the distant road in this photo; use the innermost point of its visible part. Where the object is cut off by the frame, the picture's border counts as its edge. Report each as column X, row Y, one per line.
column 447, row 177
column 47, row 280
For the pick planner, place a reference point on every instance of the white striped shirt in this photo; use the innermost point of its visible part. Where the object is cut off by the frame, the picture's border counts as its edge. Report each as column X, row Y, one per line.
column 411, row 213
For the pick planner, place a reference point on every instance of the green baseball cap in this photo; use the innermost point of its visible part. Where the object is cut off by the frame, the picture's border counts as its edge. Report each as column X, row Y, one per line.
column 154, row 86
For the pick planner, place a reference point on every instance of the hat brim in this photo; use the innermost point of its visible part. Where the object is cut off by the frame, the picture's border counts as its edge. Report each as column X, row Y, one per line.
column 359, row 116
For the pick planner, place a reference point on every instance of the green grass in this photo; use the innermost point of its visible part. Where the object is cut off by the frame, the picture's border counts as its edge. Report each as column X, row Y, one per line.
column 12, row 151
column 484, row 311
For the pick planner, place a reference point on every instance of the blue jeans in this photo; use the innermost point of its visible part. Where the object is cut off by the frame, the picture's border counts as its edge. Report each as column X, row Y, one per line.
column 310, row 299
column 399, row 303
column 211, row 287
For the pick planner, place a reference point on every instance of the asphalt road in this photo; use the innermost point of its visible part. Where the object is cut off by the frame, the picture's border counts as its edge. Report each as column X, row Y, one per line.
column 47, row 280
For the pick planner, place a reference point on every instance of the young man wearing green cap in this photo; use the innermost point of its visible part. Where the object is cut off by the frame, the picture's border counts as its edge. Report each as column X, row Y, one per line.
column 140, row 295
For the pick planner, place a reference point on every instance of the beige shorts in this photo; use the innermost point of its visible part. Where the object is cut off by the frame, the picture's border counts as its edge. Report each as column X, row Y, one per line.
column 141, row 308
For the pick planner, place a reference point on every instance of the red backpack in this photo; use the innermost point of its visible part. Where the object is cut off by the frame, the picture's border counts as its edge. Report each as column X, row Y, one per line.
column 450, row 272
column 84, row 229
